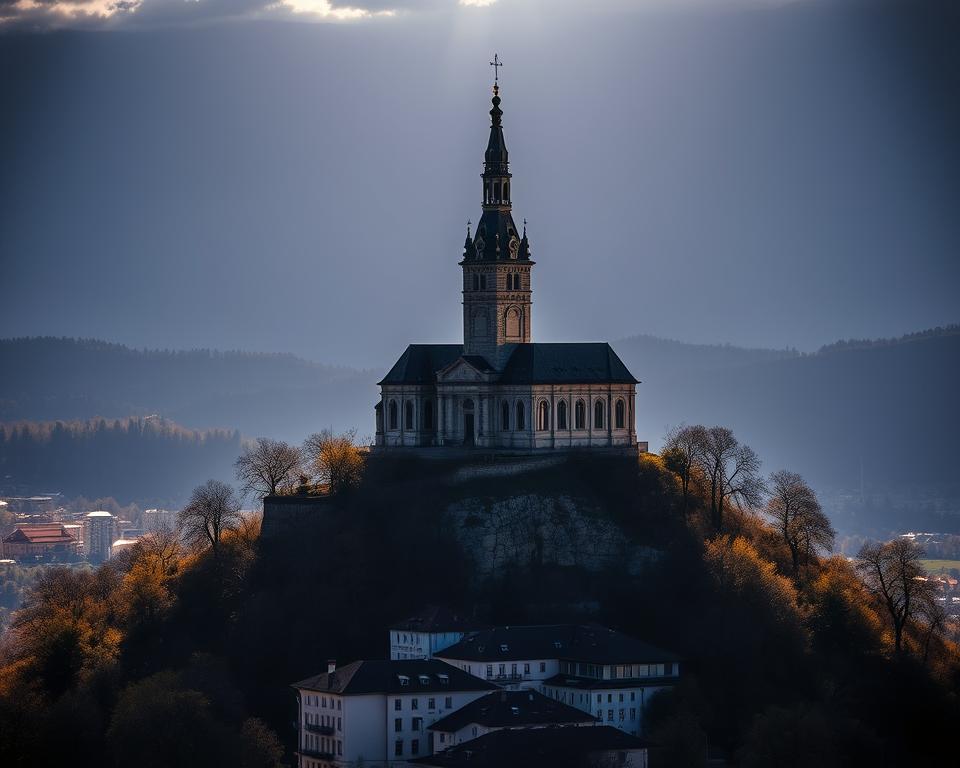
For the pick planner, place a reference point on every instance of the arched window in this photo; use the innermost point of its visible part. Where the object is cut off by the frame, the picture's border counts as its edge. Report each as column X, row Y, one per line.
column 580, row 415
column 505, row 416
column 408, row 414
column 620, row 416
column 393, row 414
column 496, row 191
column 483, row 282
column 513, row 323
column 598, row 414
column 516, row 282
column 543, row 416
column 476, row 282
column 506, row 191
column 562, row 414
column 428, row 415
column 521, row 416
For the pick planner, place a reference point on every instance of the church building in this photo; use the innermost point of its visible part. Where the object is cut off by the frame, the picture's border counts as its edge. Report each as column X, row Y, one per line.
column 500, row 389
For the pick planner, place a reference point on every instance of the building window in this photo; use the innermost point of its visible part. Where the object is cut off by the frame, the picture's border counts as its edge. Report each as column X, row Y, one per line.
column 398, row 748
column 476, row 282
column 526, row 668
column 415, row 746
column 448, row 702
column 543, row 416
column 428, row 415
column 580, row 415
column 633, row 713
column 408, row 414
column 397, row 705
column 414, row 704
column 505, row 416
column 621, row 715
column 393, row 414
column 620, row 414
column 483, row 282
column 598, row 414
column 489, row 670
column 521, row 416
column 431, row 704
column 543, row 666
column 668, row 668
column 398, row 724
column 609, row 715
column 562, row 414
column 516, row 282
column 416, row 724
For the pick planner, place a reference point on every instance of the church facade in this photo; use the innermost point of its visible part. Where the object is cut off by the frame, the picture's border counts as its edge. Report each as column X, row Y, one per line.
column 499, row 389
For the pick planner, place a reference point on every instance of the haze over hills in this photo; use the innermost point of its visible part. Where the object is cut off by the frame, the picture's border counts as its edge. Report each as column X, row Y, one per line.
column 882, row 409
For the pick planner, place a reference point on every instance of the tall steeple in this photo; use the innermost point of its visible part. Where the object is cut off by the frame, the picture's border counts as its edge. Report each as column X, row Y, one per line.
column 496, row 264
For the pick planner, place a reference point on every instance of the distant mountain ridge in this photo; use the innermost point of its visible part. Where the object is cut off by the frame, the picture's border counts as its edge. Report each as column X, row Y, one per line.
column 889, row 406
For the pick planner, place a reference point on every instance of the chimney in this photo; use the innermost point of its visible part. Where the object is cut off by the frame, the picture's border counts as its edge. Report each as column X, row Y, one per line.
column 331, row 665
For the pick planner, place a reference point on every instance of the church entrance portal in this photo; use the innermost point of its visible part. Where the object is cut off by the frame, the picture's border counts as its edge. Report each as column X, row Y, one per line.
column 468, row 428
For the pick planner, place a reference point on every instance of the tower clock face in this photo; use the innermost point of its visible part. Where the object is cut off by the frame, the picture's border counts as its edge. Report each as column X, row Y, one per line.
column 479, row 244
column 514, row 247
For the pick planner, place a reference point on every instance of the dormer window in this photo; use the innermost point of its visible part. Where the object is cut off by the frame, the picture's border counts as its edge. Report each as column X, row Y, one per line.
column 504, row 648
column 444, row 679
column 424, row 680
column 404, row 680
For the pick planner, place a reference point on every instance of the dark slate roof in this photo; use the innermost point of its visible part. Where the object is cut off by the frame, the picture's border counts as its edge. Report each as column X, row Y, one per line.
column 555, row 747
column 566, row 363
column 589, row 683
column 385, row 676
column 574, row 642
column 420, row 362
column 505, row 709
column 434, row 618
column 569, row 363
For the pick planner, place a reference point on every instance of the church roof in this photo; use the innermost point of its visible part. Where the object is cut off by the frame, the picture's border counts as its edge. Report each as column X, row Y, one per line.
column 563, row 363
column 566, row 363
column 420, row 362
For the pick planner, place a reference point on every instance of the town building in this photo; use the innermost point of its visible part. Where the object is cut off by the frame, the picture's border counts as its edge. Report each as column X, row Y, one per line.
column 378, row 712
column 121, row 545
column 40, row 542
column 99, row 533
column 428, row 631
column 599, row 747
column 598, row 670
column 159, row 520
column 505, row 709
column 499, row 389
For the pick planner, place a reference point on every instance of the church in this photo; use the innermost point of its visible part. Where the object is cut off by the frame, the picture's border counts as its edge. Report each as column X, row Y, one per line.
column 499, row 389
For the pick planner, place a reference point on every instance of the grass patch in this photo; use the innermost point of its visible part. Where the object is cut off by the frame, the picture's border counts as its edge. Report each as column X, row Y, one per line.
column 940, row 566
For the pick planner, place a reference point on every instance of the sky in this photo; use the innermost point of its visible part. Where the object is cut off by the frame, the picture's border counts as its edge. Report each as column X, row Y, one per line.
column 297, row 175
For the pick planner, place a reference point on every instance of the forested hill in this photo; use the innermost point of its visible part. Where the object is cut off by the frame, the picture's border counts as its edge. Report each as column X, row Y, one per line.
column 43, row 379
column 889, row 406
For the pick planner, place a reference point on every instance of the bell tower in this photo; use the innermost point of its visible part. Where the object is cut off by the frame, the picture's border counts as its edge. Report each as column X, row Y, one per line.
column 496, row 260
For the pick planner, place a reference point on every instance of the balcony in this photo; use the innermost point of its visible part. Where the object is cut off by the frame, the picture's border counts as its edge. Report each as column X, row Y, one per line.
column 323, row 730
column 316, row 753
column 507, row 677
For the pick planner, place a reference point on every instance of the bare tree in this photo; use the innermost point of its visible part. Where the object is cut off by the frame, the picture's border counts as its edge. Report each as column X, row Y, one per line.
column 731, row 473
column 336, row 460
column 268, row 466
column 683, row 452
column 892, row 571
column 212, row 510
column 798, row 517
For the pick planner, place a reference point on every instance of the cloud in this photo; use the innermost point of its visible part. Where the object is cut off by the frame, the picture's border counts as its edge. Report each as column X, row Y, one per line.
column 106, row 14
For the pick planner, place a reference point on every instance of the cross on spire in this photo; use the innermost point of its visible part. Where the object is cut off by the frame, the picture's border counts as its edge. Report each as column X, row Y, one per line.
column 496, row 64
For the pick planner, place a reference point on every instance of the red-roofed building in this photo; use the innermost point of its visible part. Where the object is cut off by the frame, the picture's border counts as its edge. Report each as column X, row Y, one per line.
column 40, row 541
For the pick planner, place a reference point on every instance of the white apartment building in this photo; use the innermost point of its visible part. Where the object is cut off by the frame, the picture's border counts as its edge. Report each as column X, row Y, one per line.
column 99, row 533
column 378, row 712
column 597, row 670
column 427, row 632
